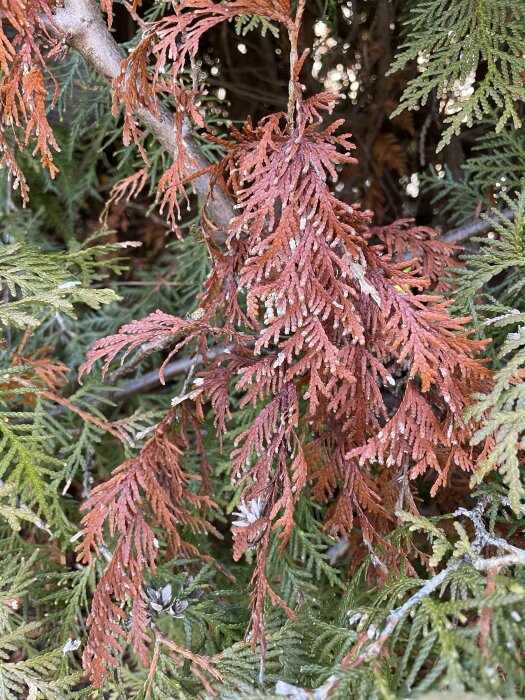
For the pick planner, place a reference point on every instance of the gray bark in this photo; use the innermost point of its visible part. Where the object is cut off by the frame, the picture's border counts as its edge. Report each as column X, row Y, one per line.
column 81, row 25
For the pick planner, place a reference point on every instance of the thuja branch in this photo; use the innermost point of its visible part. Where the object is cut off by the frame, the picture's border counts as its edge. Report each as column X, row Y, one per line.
column 335, row 323
column 150, row 380
column 294, row 55
column 515, row 556
column 80, row 24
column 395, row 617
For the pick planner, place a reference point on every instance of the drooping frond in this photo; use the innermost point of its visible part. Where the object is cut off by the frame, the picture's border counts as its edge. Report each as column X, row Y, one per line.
column 150, row 490
column 339, row 323
column 24, row 91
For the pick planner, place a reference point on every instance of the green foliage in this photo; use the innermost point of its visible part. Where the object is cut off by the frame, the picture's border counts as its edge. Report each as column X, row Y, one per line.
column 494, row 170
column 305, row 563
column 39, row 284
column 456, row 42
column 248, row 23
column 166, row 682
column 36, row 675
column 491, row 289
column 496, row 160
column 504, row 251
column 463, row 639
column 456, row 198
column 14, row 514
column 26, row 461
column 503, row 410
column 442, row 641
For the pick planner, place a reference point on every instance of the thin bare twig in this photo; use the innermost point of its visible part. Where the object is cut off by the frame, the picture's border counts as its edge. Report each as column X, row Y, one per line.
column 294, row 55
column 198, row 664
column 482, row 539
column 474, row 228
column 395, row 617
column 150, row 380
column 145, row 351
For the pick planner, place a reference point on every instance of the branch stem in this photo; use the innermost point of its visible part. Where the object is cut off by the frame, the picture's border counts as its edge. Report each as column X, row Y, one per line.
column 514, row 557
column 294, row 55
column 81, row 25
column 474, row 228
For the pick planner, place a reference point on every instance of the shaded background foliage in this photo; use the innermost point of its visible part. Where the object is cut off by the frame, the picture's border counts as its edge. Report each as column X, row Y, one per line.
column 447, row 640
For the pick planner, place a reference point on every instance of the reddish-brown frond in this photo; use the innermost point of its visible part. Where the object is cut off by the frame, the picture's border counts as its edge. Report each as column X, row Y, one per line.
column 107, row 7
column 269, row 435
column 39, row 367
column 127, row 189
column 185, row 166
column 40, row 376
column 23, row 93
column 345, row 330
column 189, row 21
column 130, row 5
column 171, row 45
column 338, row 337
column 428, row 256
column 217, row 380
column 158, row 330
column 151, row 490
column 389, row 152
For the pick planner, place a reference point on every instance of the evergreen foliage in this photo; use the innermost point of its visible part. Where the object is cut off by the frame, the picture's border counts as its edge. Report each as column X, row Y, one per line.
column 256, row 441
column 494, row 170
column 460, row 42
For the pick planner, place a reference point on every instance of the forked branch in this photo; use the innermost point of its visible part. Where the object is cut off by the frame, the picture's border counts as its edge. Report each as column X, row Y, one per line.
column 514, row 557
column 81, row 25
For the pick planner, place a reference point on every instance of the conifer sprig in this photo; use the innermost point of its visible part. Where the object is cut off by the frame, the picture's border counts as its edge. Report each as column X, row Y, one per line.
column 277, row 523
column 456, row 42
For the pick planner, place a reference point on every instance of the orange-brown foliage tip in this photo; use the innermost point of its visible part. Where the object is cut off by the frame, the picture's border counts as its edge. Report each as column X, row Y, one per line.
column 171, row 43
column 152, row 490
column 175, row 38
column 360, row 374
column 23, row 91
